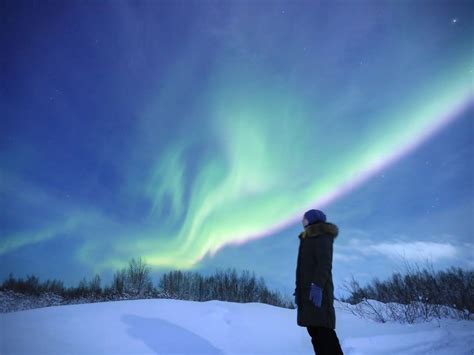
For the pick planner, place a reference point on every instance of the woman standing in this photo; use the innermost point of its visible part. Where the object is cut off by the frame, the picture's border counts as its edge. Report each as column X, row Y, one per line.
column 314, row 294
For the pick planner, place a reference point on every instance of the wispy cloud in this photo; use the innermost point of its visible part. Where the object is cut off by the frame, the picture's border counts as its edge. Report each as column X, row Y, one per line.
column 415, row 251
column 411, row 251
column 345, row 258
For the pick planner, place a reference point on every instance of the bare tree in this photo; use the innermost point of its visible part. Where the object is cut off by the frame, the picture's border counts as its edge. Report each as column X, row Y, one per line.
column 119, row 282
column 138, row 277
column 419, row 294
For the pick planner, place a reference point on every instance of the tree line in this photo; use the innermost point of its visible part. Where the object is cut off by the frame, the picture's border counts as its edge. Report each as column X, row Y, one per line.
column 134, row 282
column 417, row 294
column 420, row 293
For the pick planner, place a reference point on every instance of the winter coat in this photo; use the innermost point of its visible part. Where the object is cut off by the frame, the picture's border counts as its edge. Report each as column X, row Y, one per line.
column 315, row 266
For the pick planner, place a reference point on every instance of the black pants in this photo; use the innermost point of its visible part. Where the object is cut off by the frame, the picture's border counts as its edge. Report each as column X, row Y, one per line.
column 325, row 341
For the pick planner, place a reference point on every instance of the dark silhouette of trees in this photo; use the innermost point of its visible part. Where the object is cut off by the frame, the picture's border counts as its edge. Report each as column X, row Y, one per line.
column 418, row 293
column 134, row 282
column 222, row 285
column 32, row 285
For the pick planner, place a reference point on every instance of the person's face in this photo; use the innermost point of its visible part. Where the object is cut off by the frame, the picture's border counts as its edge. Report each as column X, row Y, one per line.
column 305, row 222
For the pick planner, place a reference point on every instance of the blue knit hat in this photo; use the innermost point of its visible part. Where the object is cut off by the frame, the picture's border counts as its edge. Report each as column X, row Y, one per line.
column 313, row 217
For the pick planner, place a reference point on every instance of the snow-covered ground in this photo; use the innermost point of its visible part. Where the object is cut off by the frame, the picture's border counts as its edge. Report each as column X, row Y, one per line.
column 162, row 326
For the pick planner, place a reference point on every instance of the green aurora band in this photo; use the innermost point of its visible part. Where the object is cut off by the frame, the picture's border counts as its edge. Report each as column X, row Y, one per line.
column 268, row 163
column 171, row 130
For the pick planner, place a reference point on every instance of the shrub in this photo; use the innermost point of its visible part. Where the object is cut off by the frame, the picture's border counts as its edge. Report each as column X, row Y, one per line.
column 418, row 294
column 135, row 282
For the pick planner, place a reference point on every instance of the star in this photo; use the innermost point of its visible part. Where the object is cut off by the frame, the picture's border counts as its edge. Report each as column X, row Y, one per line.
column 454, row 20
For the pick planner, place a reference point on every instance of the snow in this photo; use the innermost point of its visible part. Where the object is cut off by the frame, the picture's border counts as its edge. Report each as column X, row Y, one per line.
column 161, row 326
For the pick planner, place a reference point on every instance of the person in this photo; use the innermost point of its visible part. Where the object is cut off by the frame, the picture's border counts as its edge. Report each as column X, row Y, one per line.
column 314, row 293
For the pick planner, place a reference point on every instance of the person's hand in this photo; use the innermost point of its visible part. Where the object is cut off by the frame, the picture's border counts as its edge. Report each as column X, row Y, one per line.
column 316, row 295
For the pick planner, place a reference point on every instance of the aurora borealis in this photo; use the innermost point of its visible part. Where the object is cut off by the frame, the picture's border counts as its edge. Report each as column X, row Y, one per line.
column 196, row 133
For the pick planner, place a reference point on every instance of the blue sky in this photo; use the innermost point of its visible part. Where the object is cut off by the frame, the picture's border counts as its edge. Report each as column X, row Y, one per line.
column 195, row 134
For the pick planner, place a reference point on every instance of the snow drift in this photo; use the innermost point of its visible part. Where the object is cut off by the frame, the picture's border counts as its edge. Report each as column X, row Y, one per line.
column 161, row 326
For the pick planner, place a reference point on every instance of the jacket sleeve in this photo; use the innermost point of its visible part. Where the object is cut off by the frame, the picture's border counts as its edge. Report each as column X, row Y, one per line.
column 323, row 260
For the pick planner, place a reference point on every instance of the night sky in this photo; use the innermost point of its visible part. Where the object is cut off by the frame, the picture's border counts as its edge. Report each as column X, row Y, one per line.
column 195, row 134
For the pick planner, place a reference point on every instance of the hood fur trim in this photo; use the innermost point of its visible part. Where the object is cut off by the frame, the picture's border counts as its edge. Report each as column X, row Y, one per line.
column 315, row 230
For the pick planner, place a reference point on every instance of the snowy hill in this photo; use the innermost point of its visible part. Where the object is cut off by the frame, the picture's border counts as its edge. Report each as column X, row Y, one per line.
column 161, row 326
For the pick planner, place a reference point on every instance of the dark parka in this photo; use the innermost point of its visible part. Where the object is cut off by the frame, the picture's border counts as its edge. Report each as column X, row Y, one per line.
column 315, row 266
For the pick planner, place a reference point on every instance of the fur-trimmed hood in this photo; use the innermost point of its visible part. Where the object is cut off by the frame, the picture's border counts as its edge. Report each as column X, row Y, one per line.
column 315, row 230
